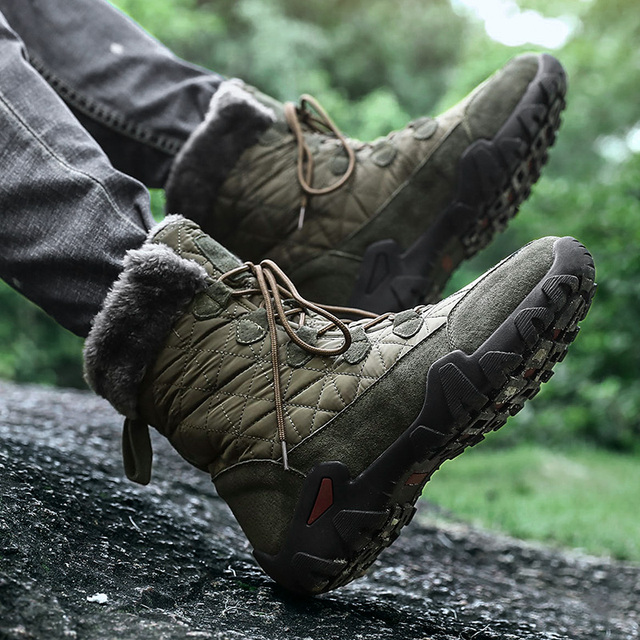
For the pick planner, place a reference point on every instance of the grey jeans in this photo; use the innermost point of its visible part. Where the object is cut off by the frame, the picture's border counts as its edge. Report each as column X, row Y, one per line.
column 92, row 109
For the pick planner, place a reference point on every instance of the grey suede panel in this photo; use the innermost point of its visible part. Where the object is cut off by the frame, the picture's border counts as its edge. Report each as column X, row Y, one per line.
column 407, row 323
column 424, row 128
column 206, row 307
column 222, row 259
column 383, row 153
column 297, row 356
column 248, row 332
column 497, row 294
column 362, row 431
column 252, row 327
column 495, row 101
column 212, row 302
column 263, row 498
column 360, row 346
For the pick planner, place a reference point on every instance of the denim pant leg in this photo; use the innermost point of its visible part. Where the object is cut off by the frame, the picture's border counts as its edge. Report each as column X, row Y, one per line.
column 135, row 97
column 67, row 217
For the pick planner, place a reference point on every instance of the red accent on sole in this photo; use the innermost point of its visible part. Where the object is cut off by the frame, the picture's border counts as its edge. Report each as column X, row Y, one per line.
column 447, row 263
column 324, row 500
column 415, row 479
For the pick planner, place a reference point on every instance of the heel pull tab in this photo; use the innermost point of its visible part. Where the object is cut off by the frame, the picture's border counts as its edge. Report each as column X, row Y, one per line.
column 137, row 454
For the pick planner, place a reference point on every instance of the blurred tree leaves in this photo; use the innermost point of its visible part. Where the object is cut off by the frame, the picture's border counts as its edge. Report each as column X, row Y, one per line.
column 375, row 64
column 33, row 348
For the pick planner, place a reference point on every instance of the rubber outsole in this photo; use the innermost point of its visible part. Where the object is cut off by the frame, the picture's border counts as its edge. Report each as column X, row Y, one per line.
column 341, row 524
column 494, row 177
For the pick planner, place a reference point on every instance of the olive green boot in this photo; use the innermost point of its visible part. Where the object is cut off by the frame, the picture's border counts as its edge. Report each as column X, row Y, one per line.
column 378, row 226
column 321, row 434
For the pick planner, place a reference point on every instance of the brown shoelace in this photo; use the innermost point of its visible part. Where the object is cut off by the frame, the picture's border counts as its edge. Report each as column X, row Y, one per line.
column 296, row 117
column 272, row 285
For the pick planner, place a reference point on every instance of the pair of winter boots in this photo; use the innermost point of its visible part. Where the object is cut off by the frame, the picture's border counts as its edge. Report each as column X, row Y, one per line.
column 320, row 424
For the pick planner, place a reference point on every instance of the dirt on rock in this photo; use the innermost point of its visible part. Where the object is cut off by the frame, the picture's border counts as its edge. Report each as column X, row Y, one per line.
column 84, row 554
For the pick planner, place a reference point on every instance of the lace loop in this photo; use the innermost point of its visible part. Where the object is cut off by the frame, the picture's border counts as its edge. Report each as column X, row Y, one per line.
column 322, row 123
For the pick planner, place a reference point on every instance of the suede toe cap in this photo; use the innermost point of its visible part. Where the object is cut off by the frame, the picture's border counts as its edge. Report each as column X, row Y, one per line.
column 494, row 296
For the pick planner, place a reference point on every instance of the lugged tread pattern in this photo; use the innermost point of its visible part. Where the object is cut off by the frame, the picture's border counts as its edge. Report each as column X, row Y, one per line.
column 467, row 396
column 496, row 365
column 531, row 322
column 352, row 525
column 495, row 177
column 459, row 391
column 423, row 437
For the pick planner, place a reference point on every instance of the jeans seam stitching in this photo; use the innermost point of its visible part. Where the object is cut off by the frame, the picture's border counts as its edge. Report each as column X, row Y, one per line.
column 65, row 164
column 106, row 116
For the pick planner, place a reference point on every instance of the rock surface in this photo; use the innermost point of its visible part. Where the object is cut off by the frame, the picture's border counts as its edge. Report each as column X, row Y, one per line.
column 85, row 554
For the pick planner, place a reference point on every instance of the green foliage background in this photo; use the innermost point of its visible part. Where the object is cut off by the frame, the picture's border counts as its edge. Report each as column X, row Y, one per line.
column 375, row 64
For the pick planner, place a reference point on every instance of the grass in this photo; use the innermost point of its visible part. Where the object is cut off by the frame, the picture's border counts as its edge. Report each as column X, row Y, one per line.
column 581, row 498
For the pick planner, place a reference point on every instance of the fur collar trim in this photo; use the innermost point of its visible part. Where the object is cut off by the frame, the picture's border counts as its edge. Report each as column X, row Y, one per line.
column 126, row 336
column 234, row 122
